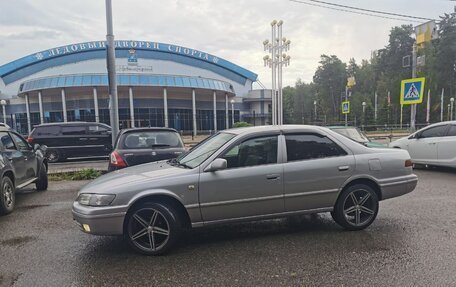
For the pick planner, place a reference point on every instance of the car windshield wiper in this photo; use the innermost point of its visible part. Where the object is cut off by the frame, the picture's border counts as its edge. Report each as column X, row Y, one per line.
column 175, row 162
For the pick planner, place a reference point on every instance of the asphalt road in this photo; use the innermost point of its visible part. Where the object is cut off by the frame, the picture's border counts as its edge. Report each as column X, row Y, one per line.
column 412, row 243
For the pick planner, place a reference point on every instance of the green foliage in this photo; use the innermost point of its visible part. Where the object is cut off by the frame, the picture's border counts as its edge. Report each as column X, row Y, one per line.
column 241, row 125
column 381, row 74
column 84, row 174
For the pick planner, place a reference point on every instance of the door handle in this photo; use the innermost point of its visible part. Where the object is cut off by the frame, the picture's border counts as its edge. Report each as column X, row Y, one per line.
column 273, row 176
column 83, row 139
column 344, row 168
column 432, row 143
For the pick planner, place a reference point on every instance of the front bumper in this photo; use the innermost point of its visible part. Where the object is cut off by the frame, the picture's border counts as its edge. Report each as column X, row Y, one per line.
column 100, row 220
column 398, row 186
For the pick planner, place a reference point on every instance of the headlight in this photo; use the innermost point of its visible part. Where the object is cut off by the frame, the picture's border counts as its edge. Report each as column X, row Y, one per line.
column 92, row 199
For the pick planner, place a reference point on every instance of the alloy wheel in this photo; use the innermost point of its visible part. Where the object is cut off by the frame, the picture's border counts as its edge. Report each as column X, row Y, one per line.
column 8, row 194
column 359, row 207
column 148, row 229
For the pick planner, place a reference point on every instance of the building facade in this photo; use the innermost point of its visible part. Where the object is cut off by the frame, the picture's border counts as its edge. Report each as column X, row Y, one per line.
column 158, row 85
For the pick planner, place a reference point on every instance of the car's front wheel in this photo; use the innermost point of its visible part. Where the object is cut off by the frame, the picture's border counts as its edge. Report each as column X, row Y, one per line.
column 42, row 182
column 7, row 196
column 356, row 207
column 152, row 228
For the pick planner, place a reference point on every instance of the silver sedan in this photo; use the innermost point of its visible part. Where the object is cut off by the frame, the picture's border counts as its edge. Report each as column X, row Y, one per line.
column 245, row 174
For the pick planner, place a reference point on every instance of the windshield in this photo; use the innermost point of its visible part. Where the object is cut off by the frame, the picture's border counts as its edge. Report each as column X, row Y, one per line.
column 353, row 133
column 151, row 139
column 204, row 150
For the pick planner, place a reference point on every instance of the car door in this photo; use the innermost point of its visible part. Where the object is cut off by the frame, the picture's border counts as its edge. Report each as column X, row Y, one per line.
column 14, row 156
column 30, row 160
column 446, row 147
column 99, row 139
column 315, row 169
column 75, row 140
column 251, row 185
column 423, row 147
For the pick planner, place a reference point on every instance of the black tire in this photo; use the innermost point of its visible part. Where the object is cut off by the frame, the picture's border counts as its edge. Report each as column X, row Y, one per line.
column 357, row 215
column 42, row 182
column 150, row 234
column 53, row 155
column 7, row 196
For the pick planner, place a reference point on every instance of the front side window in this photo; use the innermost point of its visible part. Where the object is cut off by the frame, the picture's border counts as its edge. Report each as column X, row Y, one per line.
column 252, row 152
column 434, row 132
column 311, row 146
column 452, row 131
column 7, row 141
column 20, row 142
column 205, row 149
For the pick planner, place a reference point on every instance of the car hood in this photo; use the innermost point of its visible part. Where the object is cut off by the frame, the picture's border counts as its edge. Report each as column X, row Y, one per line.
column 134, row 178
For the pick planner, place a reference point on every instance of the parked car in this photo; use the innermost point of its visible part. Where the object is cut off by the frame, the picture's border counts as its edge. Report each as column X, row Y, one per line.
column 141, row 145
column 72, row 139
column 355, row 134
column 3, row 125
column 245, row 174
column 433, row 145
column 20, row 165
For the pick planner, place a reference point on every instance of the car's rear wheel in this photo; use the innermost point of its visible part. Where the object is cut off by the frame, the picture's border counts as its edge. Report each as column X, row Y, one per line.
column 152, row 228
column 356, row 208
column 42, row 182
column 53, row 155
column 7, row 196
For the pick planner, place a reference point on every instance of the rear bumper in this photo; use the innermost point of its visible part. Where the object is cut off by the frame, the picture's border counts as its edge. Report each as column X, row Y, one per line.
column 398, row 186
column 99, row 223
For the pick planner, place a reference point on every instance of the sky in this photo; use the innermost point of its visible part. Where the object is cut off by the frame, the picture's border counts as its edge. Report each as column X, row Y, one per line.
column 230, row 29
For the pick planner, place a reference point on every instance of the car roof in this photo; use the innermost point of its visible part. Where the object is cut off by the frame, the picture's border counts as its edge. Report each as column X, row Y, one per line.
column 148, row 129
column 4, row 129
column 69, row 123
column 284, row 128
column 341, row 127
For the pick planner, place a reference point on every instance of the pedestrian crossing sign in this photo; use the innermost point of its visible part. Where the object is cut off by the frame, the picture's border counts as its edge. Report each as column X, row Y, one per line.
column 412, row 91
column 345, row 107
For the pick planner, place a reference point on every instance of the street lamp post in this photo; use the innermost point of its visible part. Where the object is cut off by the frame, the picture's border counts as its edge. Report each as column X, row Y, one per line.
column 448, row 111
column 232, row 113
column 278, row 59
column 452, row 109
column 3, row 103
column 315, row 109
column 364, row 114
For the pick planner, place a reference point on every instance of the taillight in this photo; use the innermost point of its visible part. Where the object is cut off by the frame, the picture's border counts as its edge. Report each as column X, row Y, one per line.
column 408, row 163
column 29, row 139
column 117, row 160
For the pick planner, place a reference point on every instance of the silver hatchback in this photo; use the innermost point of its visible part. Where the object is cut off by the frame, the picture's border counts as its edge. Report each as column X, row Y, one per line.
column 245, row 174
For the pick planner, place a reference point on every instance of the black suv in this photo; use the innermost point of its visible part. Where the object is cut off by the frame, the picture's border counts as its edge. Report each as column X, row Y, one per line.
column 20, row 165
column 72, row 139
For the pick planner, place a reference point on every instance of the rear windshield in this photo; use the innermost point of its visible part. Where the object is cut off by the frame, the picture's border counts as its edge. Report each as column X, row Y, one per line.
column 151, row 140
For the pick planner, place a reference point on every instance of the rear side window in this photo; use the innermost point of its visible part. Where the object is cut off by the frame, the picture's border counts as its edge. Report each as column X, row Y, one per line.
column 434, row 132
column 7, row 141
column 311, row 146
column 98, row 130
column 73, row 130
column 151, row 139
column 452, row 131
column 47, row 131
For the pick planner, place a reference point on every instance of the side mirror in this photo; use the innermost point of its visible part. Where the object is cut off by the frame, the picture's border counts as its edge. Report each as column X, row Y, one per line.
column 217, row 164
column 36, row 147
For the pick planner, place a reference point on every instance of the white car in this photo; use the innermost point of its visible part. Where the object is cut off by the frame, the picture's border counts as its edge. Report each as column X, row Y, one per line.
column 432, row 145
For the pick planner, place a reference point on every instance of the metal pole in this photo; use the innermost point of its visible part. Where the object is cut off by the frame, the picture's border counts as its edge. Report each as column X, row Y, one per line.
column 232, row 113
column 111, row 66
column 441, row 104
column 64, row 107
column 452, row 108
column 27, row 109
column 215, row 111
column 274, row 96
column 4, row 113
column 346, row 99
column 428, row 107
column 315, row 110
column 194, row 112
column 132, row 108
column 279, row 73
column 40, row 104
column 227, row 117
column 402, row 110
column 95, row 105
column 375, row 107
column 413, row 107
column 165, row 106
column 448, row 118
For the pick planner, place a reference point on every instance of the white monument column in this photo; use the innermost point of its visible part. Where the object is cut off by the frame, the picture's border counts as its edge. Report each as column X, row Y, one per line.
column 215, row 111
column 194, row 111
column 165, row 106
column 95, row 105
column 64, row 107
column 40, row 103
column 132, row 108
column 227, row 117
column 27, row 108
